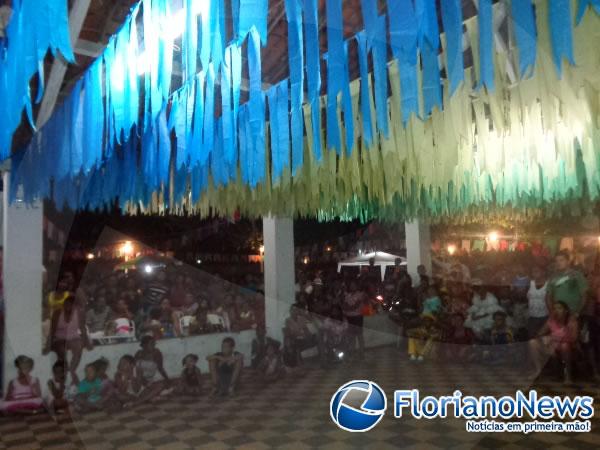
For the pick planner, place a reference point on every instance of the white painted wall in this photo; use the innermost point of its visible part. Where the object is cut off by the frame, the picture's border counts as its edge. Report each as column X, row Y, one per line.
column 418, row 247
column 278, row 235
column 379, row 330
column 173, row 350
column 22, row 277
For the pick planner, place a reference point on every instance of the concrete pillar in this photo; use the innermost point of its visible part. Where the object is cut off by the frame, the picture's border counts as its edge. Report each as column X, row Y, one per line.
column 278, row 235
column 22, row 238
column 418, row 247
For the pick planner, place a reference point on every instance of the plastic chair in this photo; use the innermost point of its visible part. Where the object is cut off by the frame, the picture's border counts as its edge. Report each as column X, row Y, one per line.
column 216, row 320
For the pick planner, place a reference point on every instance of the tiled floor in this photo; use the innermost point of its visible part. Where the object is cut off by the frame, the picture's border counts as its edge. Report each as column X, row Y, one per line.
column 294, row 414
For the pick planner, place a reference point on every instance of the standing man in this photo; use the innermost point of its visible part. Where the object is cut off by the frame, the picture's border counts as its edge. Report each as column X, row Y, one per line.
column 568, row 285
column 352, row 305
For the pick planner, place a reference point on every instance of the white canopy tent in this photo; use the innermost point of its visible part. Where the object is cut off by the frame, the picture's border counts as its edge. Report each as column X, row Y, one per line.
column 381, row 259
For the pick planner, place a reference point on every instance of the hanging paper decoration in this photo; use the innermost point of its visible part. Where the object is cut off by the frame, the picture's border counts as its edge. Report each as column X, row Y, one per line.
column 313, row 71
column 375, row 29
column 256, row 112
column 526, row 35
column 217, row 42
column 226, row 113
column 380, row 74
column 559, row 15
column 253, row 13
column 293, row 10
column 347, row 105
column 486, row 62
column 403, row 40
column 583, row 6
column 335, row 70
column 429, row 43
column 164, row 148
column 195, row 145
column 189, row 53
column 482, row 153
column 93, row 114
column 236, row 81
column 208, row 132
column 365, row 89
column 280, row 130
column 452, row 20
column 33, row 29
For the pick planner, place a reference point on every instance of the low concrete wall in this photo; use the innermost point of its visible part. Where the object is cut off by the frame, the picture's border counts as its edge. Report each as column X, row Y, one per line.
column 378, row 330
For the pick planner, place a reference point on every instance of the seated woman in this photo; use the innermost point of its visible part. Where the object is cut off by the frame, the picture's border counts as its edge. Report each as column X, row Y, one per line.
column 185, row 314
column 557, row 337
column 96, row 318
column 23, row 395
column 335, row 334
column 126, row 383
column 296, row 334
column 152, row 324
column 149, row 365
column 168, row 318
column 121, row 310
column 68, row 333
column 422, row 338
column 245, row 319
column 56, row 400
column 225, row 368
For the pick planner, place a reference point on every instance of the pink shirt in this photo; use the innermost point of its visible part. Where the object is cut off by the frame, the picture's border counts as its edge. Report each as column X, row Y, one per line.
column 560, row 333
column 67, row 330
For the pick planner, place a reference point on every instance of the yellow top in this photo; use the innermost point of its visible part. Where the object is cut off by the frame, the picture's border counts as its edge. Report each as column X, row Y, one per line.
column 56, row 301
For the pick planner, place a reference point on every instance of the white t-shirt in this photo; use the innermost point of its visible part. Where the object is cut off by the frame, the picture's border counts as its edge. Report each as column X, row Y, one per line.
column 537, row 300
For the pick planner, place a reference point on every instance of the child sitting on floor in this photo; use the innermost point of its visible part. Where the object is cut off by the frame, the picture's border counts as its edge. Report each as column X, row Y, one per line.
column 190, row 382
column 225, row 367
column 56, row 400
column 432, row 305
column 500, row 336
column 271, row 366
column 108, row 392
column 89, row 391
column 422, row 338
column 24, row 395
column 460, row 338
column 127, row 384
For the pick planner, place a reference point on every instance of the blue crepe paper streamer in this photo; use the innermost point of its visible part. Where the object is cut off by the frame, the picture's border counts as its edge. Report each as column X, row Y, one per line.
column 365, row 102
column 526, row 35
column 313, row 71
column 486, row 56
column 403, row 40
column 561, row 32
column 453, row 26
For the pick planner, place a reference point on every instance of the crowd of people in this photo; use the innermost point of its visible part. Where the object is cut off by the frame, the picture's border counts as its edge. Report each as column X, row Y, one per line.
column 525, row 310
column 122, row 307
column 479, row 312
column 138, row 379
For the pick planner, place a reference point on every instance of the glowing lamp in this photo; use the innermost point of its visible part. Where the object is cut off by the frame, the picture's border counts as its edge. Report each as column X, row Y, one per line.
column 451, row 249
column 493, row 237
column 127, row 248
